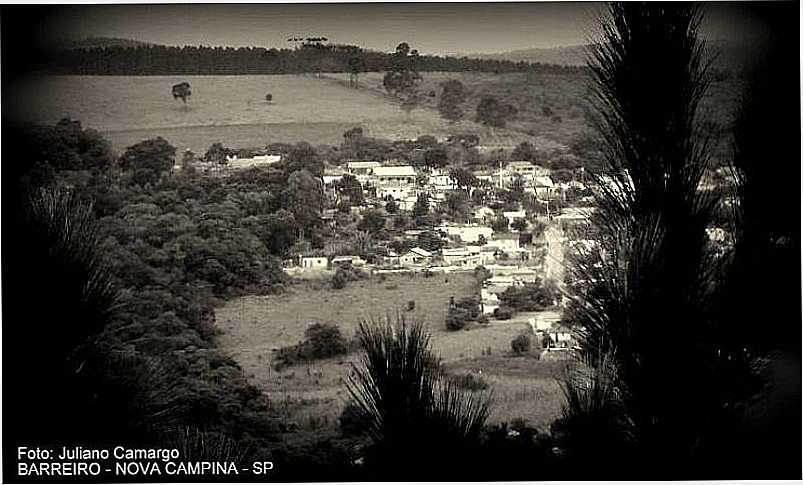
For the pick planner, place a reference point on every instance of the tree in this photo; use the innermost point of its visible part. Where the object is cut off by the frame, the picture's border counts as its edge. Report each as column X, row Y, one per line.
column 351, row 188
column 464, row 178
column 519, row 224
column 491, row 111
column 453, row 95
column 182, row 91
column 421, row 206
column 304, row 157
column 356, row 66
column 500, row 224
column 391, row 207
column 402, row 79
column 651, row 269
column 304, row 199
column 436, row 157
column 148, row 160
column 269, row 98
column 217, row 154
column 524, row 151
column 411, row 410
column 373, row 221
column 521, row 344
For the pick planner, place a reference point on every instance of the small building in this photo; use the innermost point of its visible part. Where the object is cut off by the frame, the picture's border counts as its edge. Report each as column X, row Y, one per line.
column 513, row 215
column 505, row 242
column 394, row 176
column 467, row 232
column 468, row 256
column 314, row 262
column 415, row 256
column 347, row 261
column 236, row 163
column 361, row 168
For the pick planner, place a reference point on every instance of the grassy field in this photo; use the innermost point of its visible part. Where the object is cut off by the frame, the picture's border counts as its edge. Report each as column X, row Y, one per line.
column 228, row 109
column 312, row 395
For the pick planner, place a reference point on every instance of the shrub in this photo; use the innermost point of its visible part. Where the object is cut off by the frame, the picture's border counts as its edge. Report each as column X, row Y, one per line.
column 520, row 344
column 339, row 280
column 483, row 319
column 321, row 341
column 531, row 297
column 345, row 275
column 350, row 420
column 457, row 318
column 470, row 382
column 503, row 313
column 411, row 305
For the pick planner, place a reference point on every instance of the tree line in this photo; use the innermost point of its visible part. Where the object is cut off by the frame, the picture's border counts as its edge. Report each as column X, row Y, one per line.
column 312, row 57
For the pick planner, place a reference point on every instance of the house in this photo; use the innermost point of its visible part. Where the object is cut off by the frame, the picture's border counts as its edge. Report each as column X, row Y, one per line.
column 513, row 215
column 314, row 262
column 361, row 168
column 468, row 256
column 347, row 261
column 467, row 232
column 236, row 163
column 483, row 213
column 415, row 256
column 396, row 182
column 543, row 187
column 505, row 242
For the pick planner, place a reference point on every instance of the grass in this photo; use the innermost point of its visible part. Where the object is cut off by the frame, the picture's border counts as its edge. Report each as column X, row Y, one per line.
column 311, row 396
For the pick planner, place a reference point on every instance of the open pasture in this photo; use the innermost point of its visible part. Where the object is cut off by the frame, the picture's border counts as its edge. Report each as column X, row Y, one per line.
column 312, row 395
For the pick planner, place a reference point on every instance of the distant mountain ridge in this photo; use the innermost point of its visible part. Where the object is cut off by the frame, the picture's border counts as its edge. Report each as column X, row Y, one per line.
column 730, row 55
column 101, row 42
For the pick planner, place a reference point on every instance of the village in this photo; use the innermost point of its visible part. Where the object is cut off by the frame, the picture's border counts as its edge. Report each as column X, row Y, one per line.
column 514, row 222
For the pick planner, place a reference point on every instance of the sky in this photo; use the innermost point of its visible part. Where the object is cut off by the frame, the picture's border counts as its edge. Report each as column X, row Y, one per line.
column 432, row 28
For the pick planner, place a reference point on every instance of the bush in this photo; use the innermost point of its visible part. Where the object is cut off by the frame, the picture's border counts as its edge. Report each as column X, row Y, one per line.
column 520, row 344
column 457, row 318
column 321, row 341
column 350, row 420
column 470, row 382
column 531, row 297
column 503, row 313
column 411, row 305
column 345, row 275
column 483, row 319
column 339, row 280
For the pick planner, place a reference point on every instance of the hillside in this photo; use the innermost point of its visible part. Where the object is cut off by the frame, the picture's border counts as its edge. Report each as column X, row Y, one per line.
column 729, row 55
column 103, row 42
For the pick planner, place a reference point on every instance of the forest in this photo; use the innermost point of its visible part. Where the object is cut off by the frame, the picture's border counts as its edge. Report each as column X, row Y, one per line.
column 309, row 57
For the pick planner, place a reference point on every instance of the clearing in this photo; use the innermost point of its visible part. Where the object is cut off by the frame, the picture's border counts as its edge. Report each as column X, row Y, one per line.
column 311, row 396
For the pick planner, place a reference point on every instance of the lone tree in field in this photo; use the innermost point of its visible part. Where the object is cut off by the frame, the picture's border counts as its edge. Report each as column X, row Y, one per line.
column 453, row 95
column 356, row 66
column 269, row 98
column 182, row 91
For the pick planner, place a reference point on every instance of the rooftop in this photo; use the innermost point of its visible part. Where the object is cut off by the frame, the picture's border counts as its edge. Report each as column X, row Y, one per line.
column 400, row 171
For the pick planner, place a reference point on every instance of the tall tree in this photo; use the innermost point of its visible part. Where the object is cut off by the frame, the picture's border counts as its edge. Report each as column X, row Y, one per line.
column 651, row 271
column 450, row 103
column 148, row 160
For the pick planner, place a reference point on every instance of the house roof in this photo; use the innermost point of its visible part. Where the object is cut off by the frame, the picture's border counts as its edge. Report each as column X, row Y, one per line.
column 400, row 171
column 363, row 164
column 544, row 182
column 421, row 252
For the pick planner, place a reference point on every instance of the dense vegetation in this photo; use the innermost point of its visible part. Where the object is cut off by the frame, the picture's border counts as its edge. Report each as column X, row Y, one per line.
column 309, row 57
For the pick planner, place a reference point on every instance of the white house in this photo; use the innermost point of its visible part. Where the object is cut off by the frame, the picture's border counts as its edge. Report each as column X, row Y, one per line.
column 236, row 163
column 396, row 182
column 466, row 232
column 415, row 256
column 314, row 262
column 468, row 256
